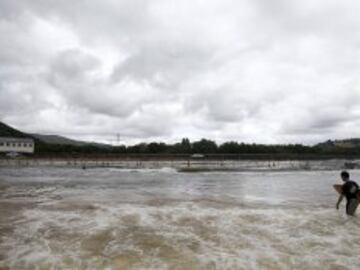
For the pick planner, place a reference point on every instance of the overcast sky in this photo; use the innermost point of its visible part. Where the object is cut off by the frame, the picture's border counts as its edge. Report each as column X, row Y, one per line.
column 263, row 71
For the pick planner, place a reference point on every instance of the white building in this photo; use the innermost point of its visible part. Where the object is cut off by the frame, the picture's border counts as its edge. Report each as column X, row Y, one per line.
column 18, row 145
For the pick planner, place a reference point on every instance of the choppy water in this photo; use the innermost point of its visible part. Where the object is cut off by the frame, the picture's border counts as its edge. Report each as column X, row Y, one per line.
column 54, row 218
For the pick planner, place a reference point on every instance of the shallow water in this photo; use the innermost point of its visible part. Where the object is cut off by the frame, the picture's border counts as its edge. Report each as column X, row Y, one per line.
column 54, row 218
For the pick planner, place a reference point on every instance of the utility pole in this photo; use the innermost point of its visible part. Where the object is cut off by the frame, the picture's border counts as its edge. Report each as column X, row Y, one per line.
column 118, row 139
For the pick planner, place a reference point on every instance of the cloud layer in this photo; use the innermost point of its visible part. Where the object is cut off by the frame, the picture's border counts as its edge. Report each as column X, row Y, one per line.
column 252, row 70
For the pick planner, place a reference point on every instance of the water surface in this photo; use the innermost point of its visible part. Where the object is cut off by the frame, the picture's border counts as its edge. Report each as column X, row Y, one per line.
column 57, row 218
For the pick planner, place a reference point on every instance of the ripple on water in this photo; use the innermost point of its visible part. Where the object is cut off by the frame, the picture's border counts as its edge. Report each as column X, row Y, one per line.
column 167, row 222
column 186, row 236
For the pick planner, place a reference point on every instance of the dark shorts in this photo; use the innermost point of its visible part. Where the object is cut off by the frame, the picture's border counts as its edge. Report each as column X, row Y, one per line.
column 351, row 206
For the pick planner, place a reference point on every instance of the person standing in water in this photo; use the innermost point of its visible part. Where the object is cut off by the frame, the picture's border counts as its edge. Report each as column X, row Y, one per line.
column 349, row 190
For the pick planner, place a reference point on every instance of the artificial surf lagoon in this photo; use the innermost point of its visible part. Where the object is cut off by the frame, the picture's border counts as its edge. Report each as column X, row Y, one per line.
column 65, row 217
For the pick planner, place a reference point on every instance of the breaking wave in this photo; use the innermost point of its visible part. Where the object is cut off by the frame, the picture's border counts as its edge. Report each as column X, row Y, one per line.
column 195, row 221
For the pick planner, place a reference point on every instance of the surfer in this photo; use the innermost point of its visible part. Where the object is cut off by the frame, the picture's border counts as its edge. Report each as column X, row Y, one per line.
column 349, row 190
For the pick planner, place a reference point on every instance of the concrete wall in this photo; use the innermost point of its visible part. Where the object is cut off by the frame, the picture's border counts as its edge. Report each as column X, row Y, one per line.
column 184, row 165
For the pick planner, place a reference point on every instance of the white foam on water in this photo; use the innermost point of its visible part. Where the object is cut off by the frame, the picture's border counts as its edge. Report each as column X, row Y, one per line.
column 169, row 170
column 89, row 229
column 160, row 237
column 252, row 198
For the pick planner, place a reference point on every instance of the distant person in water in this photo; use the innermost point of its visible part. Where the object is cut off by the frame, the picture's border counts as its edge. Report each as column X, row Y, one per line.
column 349, row 190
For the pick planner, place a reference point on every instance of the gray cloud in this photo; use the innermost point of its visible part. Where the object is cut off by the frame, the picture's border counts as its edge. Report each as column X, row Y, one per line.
column 255, row 71
column 165, row 65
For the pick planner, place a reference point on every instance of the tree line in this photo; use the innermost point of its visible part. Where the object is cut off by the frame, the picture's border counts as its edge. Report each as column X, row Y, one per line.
column 203, row 146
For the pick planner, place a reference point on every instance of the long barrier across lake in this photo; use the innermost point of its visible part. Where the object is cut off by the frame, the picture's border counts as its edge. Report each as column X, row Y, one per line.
column 185, row 165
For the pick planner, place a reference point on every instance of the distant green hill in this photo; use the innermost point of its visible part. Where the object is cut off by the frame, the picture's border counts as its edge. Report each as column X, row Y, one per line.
column 47, row 142
column 7, row 131
column 60, row 140
column 55, row 139
column 346, row 143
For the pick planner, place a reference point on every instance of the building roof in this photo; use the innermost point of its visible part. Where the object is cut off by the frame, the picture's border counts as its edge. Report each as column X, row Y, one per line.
column 11, row 139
